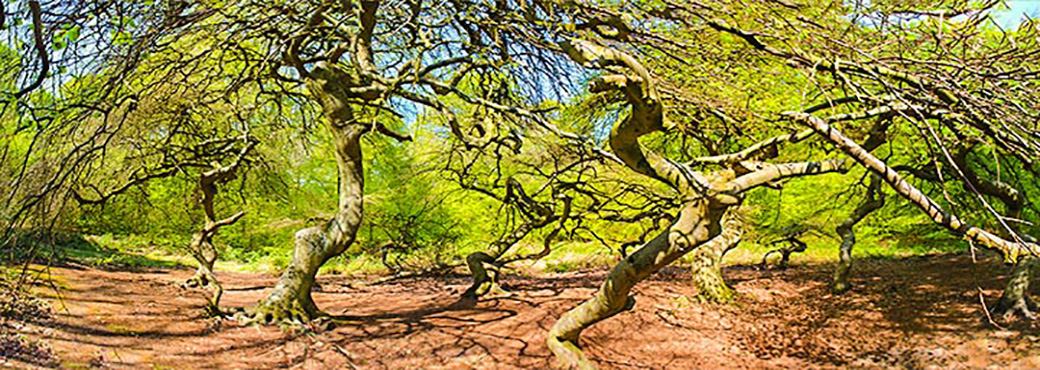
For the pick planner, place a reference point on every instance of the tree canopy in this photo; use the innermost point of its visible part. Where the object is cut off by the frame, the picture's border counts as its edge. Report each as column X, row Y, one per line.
column 429, row 136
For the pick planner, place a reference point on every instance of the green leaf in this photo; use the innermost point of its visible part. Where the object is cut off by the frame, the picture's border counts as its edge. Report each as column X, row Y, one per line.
column 72, row 35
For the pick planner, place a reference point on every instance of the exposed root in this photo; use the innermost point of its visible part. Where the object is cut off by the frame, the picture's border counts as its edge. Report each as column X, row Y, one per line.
column 1015, row 302
column 290, row 303
column 205, row 279
column 285, row 313
column 1011, row 310
column 568, row 354
column 840, row 287
column 485, row 276
column 563, row 337
column 715, row 292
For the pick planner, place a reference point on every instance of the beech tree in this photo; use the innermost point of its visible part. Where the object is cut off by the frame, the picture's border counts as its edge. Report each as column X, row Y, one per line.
column 863, row 78
column 852, row 77
column 201, row 245
column 709, row 197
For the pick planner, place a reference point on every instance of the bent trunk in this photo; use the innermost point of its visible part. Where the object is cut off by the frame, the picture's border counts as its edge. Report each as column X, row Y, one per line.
column 485, row 275
column 205, row 254
column 484, row 266
column 874, row 200
column 201, row 245
column 291, row 298
column 1014, row 302
column 1011, row 250
column 707, row 265
column 706, row 200
column 698, row 222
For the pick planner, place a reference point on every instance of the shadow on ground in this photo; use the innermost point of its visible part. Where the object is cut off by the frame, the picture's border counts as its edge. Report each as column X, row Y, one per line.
column 912, row 313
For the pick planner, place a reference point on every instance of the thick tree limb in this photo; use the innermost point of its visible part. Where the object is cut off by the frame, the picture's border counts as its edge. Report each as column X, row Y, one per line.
column 768, row 144
column 1010, row 250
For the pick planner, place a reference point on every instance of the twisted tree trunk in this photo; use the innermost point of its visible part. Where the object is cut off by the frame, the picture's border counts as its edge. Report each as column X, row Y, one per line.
column 707, row 264
column 202, row 249
column 874, row 200
column 484, row 265
column 1014, row 301
column 698, row 222
column 708, row 198
column 290, row 300
column 201, row 245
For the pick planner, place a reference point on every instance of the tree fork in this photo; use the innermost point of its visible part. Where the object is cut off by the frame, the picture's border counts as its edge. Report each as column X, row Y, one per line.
column 699, row 221
column 290, row 300
column 874, row 200
column 708, row 198
column 201, row 245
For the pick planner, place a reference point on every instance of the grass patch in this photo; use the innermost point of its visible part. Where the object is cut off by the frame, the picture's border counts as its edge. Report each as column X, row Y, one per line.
column 98, row 251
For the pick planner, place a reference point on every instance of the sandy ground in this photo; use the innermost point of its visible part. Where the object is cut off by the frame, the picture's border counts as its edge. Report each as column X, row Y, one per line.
column 917, row 313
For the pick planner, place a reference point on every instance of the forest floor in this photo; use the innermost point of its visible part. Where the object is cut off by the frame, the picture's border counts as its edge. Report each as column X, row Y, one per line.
column 919, row 312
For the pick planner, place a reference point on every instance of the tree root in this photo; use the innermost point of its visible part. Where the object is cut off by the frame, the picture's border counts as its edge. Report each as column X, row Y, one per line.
column 1011, row 310
column 291, row 313
column 290, row 303
column 204, row 279
column 716, row 292
column 840, row 287
column 1014, row 302
column 485, row 276
column 568, row 354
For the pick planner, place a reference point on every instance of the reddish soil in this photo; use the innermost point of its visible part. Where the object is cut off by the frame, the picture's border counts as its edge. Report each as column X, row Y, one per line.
column 916, row 313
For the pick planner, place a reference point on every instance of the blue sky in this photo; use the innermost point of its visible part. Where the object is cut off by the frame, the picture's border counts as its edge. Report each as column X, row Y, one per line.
column 1019, row 10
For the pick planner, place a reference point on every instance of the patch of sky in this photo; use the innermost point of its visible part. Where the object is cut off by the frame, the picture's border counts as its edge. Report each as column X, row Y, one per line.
column 1008, row 15
column 1018, row 11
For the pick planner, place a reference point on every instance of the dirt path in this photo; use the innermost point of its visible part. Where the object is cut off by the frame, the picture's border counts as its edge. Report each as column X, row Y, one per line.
column 915, row 313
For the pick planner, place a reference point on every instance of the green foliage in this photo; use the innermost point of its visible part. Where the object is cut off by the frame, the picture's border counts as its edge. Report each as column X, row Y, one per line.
column 411, row 199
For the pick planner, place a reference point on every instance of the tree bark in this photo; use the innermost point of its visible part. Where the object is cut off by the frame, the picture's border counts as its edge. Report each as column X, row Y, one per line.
column 707, row 264
column 1011, row 250
column 205, row 254
column 1015, row 301
column 698, row 222
column 708, row 198
column 291, row 300
column 874, row 200
column 201, row 245
column 484, row 265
